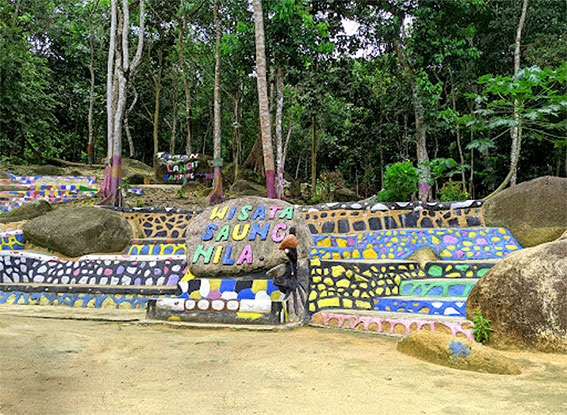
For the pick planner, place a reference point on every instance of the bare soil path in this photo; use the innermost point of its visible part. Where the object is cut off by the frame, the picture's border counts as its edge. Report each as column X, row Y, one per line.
column 56, row 366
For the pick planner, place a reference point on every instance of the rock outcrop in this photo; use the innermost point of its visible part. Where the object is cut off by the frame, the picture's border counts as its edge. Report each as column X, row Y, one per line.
column 446, row 350
column 524, row 297
column 243, row 236
column 534, row 211
column 79, row 231
column 27, row 211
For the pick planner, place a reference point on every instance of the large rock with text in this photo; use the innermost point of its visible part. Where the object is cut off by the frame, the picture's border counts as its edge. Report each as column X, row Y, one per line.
column 243, row 236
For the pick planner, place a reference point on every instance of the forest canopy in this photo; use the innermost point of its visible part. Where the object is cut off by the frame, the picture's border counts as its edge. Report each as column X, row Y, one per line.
column 439, row 90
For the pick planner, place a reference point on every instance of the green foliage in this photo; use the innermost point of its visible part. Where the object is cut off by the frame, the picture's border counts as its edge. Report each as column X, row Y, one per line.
column 139, row 202
column 453, row 191
column 400, row 182
column 482, row 327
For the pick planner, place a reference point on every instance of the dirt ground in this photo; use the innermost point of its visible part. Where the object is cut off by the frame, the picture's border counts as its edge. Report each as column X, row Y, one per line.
column 55, row 366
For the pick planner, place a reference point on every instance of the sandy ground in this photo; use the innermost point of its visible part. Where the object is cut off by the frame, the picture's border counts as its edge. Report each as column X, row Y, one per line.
column 55, row 366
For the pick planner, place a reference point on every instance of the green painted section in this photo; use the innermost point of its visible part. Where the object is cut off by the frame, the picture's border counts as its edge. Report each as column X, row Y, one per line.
column 436, row 271
column 437, row 288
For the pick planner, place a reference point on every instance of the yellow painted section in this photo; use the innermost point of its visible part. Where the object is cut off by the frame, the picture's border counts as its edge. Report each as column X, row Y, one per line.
column 315, row 262
column 276, row 295
column 363, row 304
column 188, row 276
column 444, row 253
column 316, row 279
column 218, row 253
column 312, row 295
column 337, row 270
column 329, row 302
column 259, row 285
column 435, row 240
column 347, row 303
column 344, row 283
column 249, row 316
column 195, row 294
column 328, row 281
column 108, row 302
column 325, row 242
column 174, row 318
column 215, row 284
column 511, row 247
column 342, row 243
column 369, row 254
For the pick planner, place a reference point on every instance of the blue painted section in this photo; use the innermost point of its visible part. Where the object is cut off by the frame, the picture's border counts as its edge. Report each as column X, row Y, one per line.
column 433, row 307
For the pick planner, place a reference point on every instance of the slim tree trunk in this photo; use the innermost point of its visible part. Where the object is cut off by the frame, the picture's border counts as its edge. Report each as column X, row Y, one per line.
column 458, row 132
column 313, row 155
column 110, row 78
column 419, row 113
column 286, row 144
column 236, row 146
column 157, row 91
column 116, row 93
column 279, row 139
column 92, row 85
column 132, row 151
column 217, row 193
column 186, row 85
column 264, row 110
column 515, row 131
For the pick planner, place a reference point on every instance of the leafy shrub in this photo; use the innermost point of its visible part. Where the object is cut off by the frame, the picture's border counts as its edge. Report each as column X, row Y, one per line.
column 453, row 191
column 400, row 182
column 481, row 327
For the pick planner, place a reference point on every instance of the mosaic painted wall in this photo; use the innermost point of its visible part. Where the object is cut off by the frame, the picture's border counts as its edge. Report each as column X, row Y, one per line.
column 84, row 300
column 92, row 270
column 364, row 285
column 355, row 217
column 393, row 325
column 450, row 244
column 145, row 247
column 159, row 223
column 229, row 289
column 12, row 241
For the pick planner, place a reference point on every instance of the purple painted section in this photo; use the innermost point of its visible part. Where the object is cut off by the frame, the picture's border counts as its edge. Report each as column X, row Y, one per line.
column 214, row 195
column 271, row 184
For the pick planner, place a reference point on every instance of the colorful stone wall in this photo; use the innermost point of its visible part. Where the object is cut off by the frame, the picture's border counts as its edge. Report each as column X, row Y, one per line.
column 450, row 244
column 362, row 285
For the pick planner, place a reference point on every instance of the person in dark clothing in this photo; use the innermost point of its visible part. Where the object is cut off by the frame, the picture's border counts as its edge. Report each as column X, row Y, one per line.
column 295, row 294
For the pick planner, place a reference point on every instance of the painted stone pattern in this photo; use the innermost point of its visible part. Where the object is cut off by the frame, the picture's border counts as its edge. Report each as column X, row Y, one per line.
column 143, row 247
column 357, row 285
column 242, row 236
column 229, row 289
column 121, row 301
column 92, row 270
column 473, row 243
column 179, row 168
column 441, row 307
column 159, row 223
column 12, row 241
column 393, row 325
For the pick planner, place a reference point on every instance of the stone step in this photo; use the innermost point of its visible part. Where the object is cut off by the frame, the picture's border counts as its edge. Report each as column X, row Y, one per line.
column 451, row 307
column 438, row 287
column 120, row 297
column 398, row 324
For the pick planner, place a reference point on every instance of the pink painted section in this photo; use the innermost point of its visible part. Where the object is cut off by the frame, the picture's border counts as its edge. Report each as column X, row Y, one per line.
column 271, row 184
column 215, row 195
column 353, row 320
column 105, row 189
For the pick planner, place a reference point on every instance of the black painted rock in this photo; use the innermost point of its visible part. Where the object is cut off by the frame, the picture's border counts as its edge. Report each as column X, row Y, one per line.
column 26, row 211
column 79, row 231
column 458, row 353
column 523, row 296
column 534, row 211
column 243, row 236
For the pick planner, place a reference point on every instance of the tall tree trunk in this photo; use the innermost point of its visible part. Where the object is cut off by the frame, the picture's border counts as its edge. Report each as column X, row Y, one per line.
column 313, row 155
column 515, row 131
column 279, row 139
column 157, row 91
column 132, row 151
column 419, row 113
column 110, row 78
column 186, row 85
column 458, row 132
column 92, row 85
column 236, row 145
column 286, row 144
column 217, row 194
column 264, row 110
column 116, row 93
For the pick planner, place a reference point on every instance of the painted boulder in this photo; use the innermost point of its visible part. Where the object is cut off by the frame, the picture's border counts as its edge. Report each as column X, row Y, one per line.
column 243, row 236
column 523, row 296
column 535, row 212
column 79, row 231
column 181, row 168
